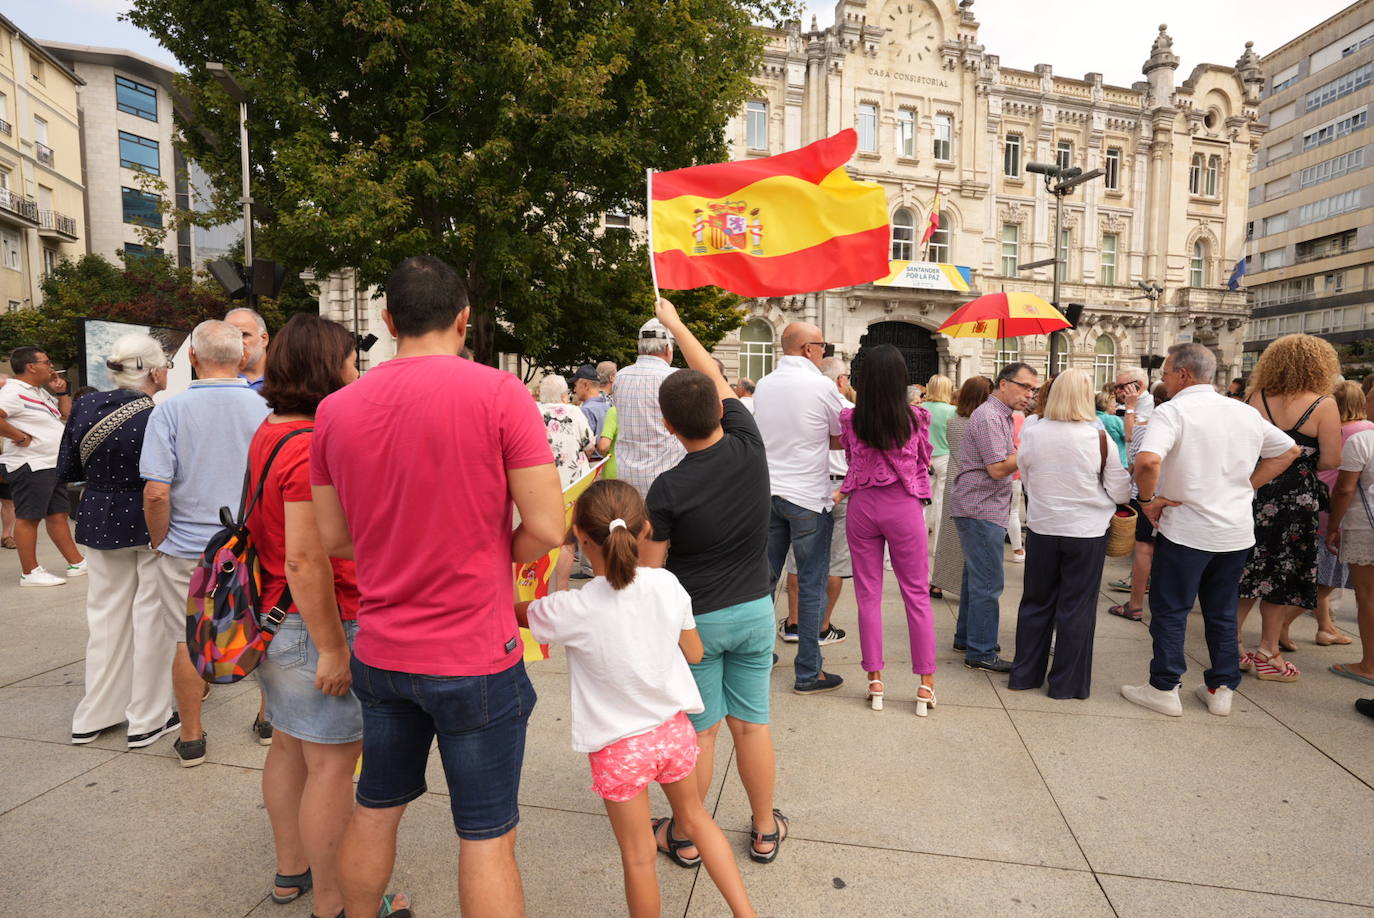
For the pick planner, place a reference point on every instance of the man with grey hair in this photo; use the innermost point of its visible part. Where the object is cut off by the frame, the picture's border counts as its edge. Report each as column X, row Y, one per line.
column 255, row 338
column 1132, row 391
column 744, row 388
column 605, row 372
column 1213, row 453
column 645, row 448
column 194, row 454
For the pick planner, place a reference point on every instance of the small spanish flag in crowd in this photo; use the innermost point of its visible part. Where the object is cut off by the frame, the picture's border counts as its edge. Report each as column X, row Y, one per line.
column 774, row 226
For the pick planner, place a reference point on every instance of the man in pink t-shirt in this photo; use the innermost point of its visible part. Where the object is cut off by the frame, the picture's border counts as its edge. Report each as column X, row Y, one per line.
column 414, row 469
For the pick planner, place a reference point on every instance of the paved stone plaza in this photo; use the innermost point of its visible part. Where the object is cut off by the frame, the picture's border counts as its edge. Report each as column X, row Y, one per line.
column 999, row 803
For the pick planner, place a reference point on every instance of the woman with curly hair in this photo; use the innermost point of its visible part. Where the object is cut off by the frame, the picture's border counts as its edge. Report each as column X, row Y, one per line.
column 1291, row 388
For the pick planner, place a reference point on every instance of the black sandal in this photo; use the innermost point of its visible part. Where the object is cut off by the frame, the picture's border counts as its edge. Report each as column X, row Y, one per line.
column 774, row 838
column 674, row 844
column 300, row 882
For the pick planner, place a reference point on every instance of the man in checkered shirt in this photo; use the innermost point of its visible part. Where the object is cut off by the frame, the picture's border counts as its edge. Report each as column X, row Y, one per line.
column 645, row 449
column 979, row 505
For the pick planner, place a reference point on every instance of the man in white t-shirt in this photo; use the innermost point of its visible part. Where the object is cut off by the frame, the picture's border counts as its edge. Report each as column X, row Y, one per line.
column 1350, row 532
column 33, row 413
column 798, row 414
column 744, row 388
column 1213, row 452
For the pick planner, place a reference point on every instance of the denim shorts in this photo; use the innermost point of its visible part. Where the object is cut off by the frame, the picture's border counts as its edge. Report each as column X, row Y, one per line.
column 294, row 705
column 735, row 673
column 480, row 724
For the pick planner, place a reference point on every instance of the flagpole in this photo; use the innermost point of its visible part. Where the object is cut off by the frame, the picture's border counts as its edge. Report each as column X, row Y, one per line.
column 649, row 215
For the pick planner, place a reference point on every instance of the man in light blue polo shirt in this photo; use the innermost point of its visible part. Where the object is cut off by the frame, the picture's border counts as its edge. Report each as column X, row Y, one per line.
column 194, row 455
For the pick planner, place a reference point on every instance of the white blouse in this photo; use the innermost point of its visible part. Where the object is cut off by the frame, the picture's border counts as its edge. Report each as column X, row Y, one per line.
column 1059, row 462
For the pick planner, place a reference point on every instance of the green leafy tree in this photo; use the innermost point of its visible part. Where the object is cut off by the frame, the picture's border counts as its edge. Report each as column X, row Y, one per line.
column 144, row 290
column 492, row 133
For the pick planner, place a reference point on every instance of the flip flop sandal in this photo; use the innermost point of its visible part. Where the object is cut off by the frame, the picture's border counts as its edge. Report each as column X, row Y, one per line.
column 1287, row 647
column 300, row 882
column 1126, row 612
column 773, row 838
column 387, row 911
column 339, row 915
column 1340, row 670
column 9, row 543
column 674, row 844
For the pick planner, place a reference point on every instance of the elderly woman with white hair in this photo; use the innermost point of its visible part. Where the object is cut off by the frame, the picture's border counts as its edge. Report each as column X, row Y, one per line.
column 127, row 676
column 572, row 442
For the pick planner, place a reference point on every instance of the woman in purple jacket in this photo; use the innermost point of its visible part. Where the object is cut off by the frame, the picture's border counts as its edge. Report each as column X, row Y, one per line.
column 888, row 446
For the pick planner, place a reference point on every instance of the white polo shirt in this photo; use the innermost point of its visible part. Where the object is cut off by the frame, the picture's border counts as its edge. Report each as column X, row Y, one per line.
column 33, row 410
column 798, row 410
column 1209, row 445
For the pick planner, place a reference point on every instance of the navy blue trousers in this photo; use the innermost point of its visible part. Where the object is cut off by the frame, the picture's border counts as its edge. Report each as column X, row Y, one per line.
column 1179, row 577
column 1059, row 601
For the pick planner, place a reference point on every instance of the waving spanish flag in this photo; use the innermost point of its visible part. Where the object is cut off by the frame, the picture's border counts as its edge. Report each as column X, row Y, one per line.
column 934, row 216
column 786, row 224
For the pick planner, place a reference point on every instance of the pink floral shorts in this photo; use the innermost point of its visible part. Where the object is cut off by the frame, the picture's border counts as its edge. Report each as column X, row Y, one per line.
column 665, row 754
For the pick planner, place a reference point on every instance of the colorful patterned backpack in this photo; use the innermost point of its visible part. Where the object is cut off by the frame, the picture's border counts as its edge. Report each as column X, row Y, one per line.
column 227, row 633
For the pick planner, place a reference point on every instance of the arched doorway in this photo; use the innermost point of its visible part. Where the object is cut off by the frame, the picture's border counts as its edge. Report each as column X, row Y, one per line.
column 916, row 344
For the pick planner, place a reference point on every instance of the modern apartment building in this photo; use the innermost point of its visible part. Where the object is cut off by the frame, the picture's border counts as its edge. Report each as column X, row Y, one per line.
column 41, row 190
column 1311, row 224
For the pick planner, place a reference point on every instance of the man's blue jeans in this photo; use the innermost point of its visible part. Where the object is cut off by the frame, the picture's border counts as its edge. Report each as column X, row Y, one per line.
column 1178, row 576
column 980, row 591
column 807, row 533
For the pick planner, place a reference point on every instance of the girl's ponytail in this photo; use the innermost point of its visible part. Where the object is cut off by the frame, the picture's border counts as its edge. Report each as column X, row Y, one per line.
column 613, row 516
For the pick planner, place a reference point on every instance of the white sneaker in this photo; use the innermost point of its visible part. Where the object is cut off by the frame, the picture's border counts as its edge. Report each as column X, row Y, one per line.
column 1147, row 696
column 40, row 578
column 1018, row 557
column 78, row 569
column 1218, row 700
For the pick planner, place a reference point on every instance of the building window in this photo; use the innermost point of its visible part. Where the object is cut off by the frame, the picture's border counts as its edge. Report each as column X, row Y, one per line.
column 1332, row 168
column 49, row 260
column 139, row 153
column 1104, row 361
column 903, row 235
column 755, row 350
column 1339, row 88
column 1113, row 169
column 1335, row 283
column 1213, row 168
column 617, row 220
column 1108, row 264
column 9, row 250
column 1337, row 129
column 135, row 98
column 133, row 249
column 944, row 138
column 1011, row 249
column 1197, row 266
column 1059, row 346
column 1275, row 224
column 1195, row 174
column 35, row 68
column 1011, row 156
column 868, row 128
column 1063, row 154
column 937, row 249
column 756, row 125
column 1268, row 261
column 1333, row 206
column 906, row 132
column 1008, row 352
column 15, row 306
column 141, row 207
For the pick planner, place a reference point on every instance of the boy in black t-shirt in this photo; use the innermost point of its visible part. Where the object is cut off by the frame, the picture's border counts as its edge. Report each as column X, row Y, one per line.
column 710, row 517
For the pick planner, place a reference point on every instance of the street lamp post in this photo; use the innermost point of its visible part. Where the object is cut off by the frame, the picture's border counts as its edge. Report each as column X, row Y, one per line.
column 1152, row 293
column 1060, row 183
column 237, row 93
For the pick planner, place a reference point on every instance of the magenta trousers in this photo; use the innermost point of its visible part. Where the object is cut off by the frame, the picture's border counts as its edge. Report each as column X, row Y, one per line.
column 889, row 515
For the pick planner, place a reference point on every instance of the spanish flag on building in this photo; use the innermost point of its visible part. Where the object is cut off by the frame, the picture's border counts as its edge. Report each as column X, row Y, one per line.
column 792, row 223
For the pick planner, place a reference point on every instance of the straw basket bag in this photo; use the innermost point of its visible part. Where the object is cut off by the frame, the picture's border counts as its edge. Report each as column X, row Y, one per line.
column 1121, row 532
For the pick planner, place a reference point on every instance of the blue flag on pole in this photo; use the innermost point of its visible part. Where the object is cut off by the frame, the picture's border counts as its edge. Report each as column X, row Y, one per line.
column 1234, row 283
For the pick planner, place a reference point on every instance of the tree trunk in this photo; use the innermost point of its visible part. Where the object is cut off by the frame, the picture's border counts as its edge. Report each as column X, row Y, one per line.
column 482, row 333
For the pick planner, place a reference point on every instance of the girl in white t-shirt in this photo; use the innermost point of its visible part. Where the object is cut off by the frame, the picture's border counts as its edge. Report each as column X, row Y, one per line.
column 629, row 634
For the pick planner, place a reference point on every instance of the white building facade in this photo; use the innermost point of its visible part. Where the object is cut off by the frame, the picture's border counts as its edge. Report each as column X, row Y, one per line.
column 935, row 110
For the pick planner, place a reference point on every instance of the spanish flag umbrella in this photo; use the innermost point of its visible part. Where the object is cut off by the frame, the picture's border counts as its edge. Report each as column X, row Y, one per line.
column 1004, row 315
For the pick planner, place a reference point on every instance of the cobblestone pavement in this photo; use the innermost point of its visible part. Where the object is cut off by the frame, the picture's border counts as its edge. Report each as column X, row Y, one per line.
column 998, row 803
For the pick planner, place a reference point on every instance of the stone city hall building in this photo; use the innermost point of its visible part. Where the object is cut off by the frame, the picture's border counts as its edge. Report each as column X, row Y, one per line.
column 933, row 109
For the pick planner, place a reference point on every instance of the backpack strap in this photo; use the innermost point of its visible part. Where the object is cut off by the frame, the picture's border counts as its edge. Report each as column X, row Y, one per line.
column 246, row 506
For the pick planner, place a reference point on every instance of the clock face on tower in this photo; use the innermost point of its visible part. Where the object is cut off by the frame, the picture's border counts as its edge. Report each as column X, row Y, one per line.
column 911, row 31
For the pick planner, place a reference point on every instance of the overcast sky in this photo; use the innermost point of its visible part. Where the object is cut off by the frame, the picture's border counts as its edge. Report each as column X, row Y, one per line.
column 1111, row 38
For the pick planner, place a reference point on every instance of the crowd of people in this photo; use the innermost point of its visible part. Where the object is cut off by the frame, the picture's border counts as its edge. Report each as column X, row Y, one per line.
column 711, row 495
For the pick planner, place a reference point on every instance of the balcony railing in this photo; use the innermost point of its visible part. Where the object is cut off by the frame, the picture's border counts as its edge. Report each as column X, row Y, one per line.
column 5, row 127
column 45, row 154
column 18, row 205
column 53, row 222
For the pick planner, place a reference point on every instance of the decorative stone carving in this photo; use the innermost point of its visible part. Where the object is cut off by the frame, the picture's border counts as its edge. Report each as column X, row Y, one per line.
column 1013, row 212
column 1112, row 223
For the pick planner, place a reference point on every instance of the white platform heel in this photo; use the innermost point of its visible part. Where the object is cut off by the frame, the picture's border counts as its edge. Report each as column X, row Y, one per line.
column 925, row 698
column 875, row 696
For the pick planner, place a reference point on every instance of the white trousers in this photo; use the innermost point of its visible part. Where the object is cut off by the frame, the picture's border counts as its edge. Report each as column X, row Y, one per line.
column 1014, row 520
column 129, row 651
column 939, row 468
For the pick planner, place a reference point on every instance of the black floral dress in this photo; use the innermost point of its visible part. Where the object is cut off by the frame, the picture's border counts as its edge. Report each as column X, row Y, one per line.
column 1283, row 564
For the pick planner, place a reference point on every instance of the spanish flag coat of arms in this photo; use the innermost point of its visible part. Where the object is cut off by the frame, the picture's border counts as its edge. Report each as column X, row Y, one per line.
column 774, row 226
